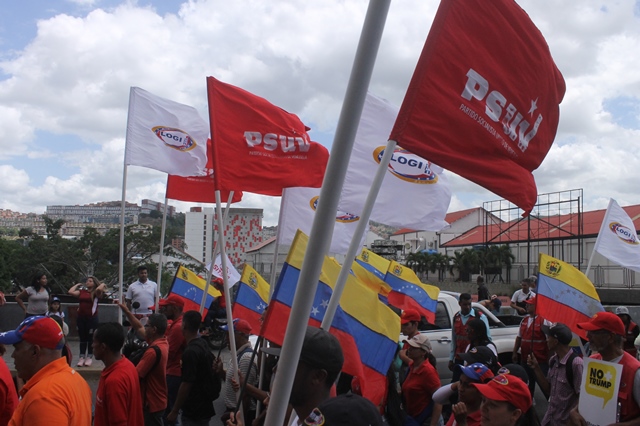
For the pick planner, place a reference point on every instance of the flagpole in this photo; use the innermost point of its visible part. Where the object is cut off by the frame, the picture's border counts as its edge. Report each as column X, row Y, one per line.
column 214, row 253
column 324, row 220
column 227, row 293
column 354, row 246
column 595, row 246
column 160, row 257
column 272, row 282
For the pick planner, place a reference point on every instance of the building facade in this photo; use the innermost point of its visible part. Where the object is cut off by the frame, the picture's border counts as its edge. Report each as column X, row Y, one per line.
column 243, row 230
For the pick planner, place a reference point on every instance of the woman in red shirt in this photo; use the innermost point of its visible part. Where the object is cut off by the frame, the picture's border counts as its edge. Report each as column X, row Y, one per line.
column 88, row 294
column 420, row 384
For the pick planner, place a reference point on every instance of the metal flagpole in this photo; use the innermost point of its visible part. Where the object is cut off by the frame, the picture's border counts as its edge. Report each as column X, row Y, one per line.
column 227, row 293
column 160, row 257
column 595, row 246
column 354, row 246
column 214, row 253
column 324, row 220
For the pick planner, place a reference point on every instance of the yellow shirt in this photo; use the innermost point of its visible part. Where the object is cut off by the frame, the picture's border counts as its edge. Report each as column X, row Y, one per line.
column 55, row 396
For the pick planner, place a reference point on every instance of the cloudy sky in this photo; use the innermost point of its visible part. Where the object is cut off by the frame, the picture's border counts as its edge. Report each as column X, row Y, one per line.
column 66, row 68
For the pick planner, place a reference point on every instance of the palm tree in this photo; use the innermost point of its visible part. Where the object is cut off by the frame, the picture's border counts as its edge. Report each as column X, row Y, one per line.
column 466, row 262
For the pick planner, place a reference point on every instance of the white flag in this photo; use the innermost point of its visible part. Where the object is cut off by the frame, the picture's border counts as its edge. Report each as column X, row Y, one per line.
column 233, row 276
column 165, row 135
column 618, row 239
column 299, row 209
column 414, row 193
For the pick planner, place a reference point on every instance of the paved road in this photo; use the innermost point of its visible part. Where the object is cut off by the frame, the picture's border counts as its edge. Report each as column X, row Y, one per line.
column 92, row 375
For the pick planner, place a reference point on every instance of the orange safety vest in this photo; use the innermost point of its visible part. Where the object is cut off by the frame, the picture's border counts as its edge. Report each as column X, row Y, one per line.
column 628, row 407
column 460, row 331
column 533, row 340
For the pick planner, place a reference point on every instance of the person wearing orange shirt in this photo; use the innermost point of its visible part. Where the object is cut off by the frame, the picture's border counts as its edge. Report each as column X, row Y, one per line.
column 54, row 393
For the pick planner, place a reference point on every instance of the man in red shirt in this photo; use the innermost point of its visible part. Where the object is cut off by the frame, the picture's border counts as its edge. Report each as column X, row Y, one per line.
column 118, row 398
column 152, row 369
column 172, row 307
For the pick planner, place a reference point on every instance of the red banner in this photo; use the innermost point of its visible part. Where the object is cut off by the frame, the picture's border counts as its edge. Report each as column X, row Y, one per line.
column 259, row 147
column 198, row 189
column 483, row 100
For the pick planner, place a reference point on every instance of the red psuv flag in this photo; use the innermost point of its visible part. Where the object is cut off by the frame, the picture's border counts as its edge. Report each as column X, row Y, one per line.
column 483, row 100
column 259, row 147
column 198, row 189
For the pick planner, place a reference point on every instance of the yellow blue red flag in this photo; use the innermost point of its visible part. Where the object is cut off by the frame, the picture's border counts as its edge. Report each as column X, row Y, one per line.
column 407, row 292
column 366, row 328
column 564, row 294
column 190, row 288
column 252, row 297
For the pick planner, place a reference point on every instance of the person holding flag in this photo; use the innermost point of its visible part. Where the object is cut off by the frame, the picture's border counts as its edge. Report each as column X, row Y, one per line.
column 531, row 341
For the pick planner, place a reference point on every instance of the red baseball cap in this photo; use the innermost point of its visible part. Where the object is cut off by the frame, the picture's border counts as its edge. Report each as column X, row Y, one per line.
column 409, row 315
column 508, row 388
column 604, row 321
column 41, row 331
column 532, row 300
column 172, row 299
column 240, row 326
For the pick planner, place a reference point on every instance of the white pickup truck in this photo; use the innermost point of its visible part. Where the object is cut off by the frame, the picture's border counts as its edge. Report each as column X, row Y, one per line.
column 439, row 333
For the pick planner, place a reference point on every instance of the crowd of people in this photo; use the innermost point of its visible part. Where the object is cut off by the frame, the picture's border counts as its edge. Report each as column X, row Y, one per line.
column 176, row 377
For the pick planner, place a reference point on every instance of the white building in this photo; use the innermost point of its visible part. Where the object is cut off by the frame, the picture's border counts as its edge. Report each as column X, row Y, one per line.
column 242, row 231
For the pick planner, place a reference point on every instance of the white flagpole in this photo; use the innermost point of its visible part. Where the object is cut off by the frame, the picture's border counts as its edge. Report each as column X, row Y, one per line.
column 161, row 256
column 276, row 249
column 602, row 227
column 214, row 253
column 227, row 293
column 354, row 247
column 121, row 266
column 324, row 220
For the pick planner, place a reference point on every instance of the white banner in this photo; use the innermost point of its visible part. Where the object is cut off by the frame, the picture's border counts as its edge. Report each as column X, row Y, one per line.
column 599, row 392
column 165, row 135
column 618, row 239
column 414, row 193
column 233, row 276
column 298, row 211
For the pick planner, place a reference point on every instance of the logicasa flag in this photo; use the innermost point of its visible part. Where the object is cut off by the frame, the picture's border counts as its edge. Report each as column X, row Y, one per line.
column 258, row 146
column 198, row 189
column 484, row 99
column 190, row 288
column 366, row 328
column 565, row 294
column 252, row 297
column 407, row 292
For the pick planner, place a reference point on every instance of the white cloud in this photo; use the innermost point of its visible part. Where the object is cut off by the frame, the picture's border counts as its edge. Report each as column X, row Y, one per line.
column 74, row 77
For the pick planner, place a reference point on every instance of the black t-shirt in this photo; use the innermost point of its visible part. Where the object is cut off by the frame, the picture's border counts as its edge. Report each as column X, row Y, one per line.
column 197, row 368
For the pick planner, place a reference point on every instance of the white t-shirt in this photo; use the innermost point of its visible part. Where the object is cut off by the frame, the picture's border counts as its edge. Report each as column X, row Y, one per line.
column 520, row 296
column 143, row 293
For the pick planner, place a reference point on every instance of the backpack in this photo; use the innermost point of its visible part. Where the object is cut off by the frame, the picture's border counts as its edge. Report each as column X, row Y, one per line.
column 568, row 367
column 212, row 384
column 137, row 355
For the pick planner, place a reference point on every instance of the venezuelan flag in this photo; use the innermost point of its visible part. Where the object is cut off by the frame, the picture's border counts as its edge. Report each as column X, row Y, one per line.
column 373, row 263
column 407, row 292
column 366, row 328
column 252, row 297
column 564, row 294
column 190, row 287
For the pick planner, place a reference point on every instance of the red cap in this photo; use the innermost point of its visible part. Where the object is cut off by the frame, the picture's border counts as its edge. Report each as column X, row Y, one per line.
column 41, row 331
column 172, row 299
column 240, row 326
column 531, row 300
column 409, row 315
column 505, row 387
column 604, row 321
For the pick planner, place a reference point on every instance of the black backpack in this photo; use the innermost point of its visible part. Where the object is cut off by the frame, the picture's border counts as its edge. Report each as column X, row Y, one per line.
column 568, row 367
column 137, row 355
